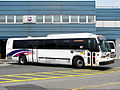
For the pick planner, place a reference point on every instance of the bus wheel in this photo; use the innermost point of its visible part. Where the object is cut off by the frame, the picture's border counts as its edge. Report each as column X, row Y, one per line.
column 22, row 59
column 78, row 62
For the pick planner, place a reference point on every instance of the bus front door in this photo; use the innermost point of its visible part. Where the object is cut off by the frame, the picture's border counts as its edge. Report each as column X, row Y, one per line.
column 92, row 58
column 93, row 53
column 95, row 58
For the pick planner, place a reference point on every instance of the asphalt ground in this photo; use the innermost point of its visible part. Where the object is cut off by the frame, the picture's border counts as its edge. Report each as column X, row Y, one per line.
column 57, row 77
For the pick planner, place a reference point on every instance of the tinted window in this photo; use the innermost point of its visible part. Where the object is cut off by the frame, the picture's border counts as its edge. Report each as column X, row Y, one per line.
column 95, row 45
column 25, row 44
column 40, row 44
column 79, row 44
column 111, row 45
column 28, row 44
column 63, row 44
column 50, row 44
column 92, row 45
column 21, row 44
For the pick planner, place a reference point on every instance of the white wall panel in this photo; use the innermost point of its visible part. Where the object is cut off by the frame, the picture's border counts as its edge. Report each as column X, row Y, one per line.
column 117, row 23
column 109, row 24
column 99, row 24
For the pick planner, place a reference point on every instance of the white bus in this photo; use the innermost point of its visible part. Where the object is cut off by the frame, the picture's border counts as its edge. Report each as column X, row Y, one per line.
column 112, row 46
column 79, row 50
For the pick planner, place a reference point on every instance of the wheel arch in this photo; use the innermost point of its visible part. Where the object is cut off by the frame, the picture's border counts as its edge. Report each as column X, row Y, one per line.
column 77, row 56
column 24, row 59
column 22, row 55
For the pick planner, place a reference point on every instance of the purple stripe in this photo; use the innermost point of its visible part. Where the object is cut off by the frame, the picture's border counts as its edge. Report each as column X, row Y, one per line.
column 22, row 53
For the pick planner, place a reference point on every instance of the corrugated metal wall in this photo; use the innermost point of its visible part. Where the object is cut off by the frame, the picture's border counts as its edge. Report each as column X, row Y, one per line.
column 45, row 8
column 43, row 29
column 108, row 14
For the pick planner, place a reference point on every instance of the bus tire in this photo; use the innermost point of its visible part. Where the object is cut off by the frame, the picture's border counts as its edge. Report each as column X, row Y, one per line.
column 78, row 62
column 22, row 59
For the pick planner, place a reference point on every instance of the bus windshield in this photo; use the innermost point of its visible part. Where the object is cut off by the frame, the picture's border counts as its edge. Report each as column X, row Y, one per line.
column 104, row 45
column 111, row 45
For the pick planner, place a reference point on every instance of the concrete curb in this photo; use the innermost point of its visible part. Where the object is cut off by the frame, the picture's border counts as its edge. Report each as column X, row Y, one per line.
column 4, row 61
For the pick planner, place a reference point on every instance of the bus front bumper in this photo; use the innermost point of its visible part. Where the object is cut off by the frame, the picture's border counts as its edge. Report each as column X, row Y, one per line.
column 106, row 62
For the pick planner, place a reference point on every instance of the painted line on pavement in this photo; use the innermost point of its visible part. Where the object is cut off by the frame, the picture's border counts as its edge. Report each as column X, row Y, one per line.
column 55, row 74
column 97, row 86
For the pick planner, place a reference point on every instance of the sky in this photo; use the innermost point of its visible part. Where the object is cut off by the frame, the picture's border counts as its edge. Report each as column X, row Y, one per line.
column 108, row 3
column 98, row 2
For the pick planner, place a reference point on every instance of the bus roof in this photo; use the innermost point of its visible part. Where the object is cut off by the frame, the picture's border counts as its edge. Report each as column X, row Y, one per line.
column 61, row 36
column 72, row 35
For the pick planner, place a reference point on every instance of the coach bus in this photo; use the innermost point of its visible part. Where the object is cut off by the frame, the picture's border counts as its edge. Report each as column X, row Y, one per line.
column 78, row 49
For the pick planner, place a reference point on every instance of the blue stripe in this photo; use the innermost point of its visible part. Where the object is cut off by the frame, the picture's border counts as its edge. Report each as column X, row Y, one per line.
column 16, row 51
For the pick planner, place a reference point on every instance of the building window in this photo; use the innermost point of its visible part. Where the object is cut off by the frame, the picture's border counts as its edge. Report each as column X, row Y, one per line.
column 56, row 18
column 2, row 19
column 74, row 19
column 19, row 18
column 10, row 19
column 82, row 18
column 48, row 18
column 39, row 18
column 91, row 19
column 65, row 18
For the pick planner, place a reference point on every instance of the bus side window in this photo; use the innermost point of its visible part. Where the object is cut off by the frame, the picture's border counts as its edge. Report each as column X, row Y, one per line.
column 89, row 44
column 31, row 44
column 18, row 44
column 92, row 45
column 95, row 45
column 78, row 44
column 40, row 44
column 50, row 44
column 63, row 44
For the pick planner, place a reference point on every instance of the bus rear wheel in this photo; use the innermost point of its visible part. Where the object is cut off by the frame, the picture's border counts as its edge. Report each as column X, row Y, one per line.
column 78, row 63
column 22, row 59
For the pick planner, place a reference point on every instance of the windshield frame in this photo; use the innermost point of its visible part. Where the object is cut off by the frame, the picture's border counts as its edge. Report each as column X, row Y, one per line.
column 104, row 45
column 112, row 45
